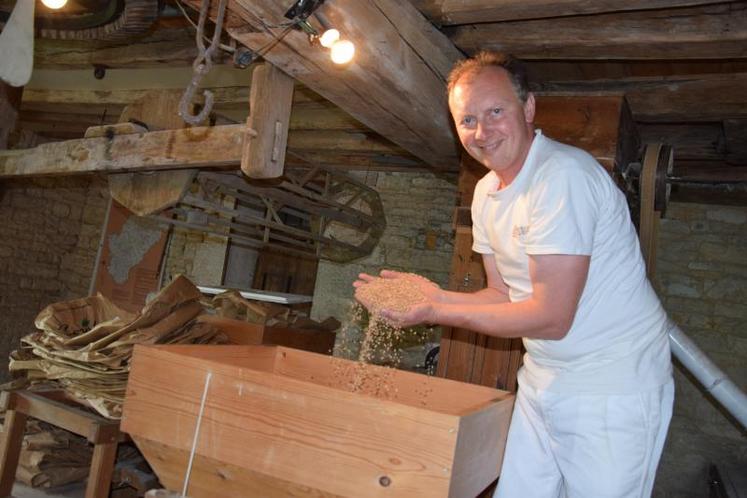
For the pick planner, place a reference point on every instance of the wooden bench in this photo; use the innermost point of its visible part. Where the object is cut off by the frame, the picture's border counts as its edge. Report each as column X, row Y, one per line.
column 49, row 407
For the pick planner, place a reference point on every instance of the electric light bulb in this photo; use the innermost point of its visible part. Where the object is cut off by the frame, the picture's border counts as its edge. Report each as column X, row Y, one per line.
column 54, row 4
column 329, row 37
column 342, row 51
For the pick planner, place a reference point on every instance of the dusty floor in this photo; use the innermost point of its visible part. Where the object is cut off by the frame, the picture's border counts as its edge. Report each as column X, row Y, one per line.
column 72, row 491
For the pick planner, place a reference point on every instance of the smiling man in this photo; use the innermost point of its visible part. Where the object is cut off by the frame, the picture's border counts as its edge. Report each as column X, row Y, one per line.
column 565, row 273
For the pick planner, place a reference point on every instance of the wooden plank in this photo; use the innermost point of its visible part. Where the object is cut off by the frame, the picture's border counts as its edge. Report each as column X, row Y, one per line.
column 397, row 77
column 263, row 155
column 445, row 12
column 288, row 423
column 692, row 98
column 199, row 147
column 215, row 479
column 707, row 32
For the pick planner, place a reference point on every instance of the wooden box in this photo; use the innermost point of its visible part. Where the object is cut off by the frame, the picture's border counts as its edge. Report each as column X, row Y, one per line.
column 281, row 422
column 245, row 333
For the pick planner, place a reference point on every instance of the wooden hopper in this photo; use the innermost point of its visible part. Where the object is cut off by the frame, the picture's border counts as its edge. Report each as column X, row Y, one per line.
column 280, row 422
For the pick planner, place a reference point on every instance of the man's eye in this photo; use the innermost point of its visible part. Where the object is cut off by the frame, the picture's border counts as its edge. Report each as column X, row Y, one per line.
column 497, row 110
column 468, row 120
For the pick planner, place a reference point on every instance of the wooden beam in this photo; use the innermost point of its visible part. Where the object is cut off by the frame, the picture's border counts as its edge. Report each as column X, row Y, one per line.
column 203, row 147
column 445, row 12
column 710, row 32
column 208, row 147
column 693, row 98
column 270, row 102
column 396, row 83
column 168, row 43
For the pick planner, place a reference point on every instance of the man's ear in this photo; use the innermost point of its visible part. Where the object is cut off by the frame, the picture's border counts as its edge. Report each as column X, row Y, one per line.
column 529, row 108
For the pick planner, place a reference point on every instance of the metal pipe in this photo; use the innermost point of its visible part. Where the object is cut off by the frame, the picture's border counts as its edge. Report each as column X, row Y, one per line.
column 715, row 381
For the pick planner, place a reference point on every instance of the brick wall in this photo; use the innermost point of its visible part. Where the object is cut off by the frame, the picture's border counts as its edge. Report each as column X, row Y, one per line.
column 418, row 238
column 702, row 281
column 49, row 236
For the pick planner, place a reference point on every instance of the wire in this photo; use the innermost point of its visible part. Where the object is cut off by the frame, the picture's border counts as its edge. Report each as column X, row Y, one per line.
column 227, row 48
column 287, row 27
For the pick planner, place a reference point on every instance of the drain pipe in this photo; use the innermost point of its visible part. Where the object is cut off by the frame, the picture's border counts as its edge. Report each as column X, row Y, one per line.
column 715, row 381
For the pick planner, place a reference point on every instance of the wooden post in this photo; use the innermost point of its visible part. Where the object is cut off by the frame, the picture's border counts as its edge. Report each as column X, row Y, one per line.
column 270, row 99
column 10, row 449
column 10, row 104
column 102, row 467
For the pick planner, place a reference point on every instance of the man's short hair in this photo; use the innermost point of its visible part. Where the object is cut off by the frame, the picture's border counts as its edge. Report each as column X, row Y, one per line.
column 471, row 66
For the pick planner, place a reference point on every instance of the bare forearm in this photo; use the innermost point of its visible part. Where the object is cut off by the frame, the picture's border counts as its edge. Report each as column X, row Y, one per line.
column 505, row 319
column 488, row 295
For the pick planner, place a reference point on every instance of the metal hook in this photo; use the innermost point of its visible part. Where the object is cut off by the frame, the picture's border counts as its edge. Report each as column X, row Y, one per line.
column 201, row 66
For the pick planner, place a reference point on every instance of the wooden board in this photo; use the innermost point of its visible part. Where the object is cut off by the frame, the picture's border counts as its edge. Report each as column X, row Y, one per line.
column 296, row 417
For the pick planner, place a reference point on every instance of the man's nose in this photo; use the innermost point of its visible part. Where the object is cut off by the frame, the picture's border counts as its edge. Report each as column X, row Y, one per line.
column 480, row 131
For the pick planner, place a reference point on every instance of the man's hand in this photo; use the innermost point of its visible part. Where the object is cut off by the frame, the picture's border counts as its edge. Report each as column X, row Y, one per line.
column 421, row 312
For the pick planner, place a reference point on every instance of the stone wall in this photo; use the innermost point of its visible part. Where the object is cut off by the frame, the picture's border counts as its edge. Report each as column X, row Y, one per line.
column 702, row 281
column 418, row 238
column 49, row 238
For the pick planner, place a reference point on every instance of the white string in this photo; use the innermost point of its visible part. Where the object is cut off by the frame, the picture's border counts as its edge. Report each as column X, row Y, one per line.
column 197, row 434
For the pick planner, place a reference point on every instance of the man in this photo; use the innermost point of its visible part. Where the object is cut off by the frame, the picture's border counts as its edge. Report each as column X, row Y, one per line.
column 565, row 273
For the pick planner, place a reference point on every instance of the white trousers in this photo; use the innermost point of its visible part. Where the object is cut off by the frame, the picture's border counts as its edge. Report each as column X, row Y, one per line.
column 585, row 446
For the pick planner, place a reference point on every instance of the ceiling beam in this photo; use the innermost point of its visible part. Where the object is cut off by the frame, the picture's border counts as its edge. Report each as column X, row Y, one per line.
column 396, row 83
column 693, row 98
column 705, row 32
column 446, row 12
column 203, row 147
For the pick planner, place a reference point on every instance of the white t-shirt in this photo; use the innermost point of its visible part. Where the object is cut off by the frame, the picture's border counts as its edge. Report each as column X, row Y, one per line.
column 563, row 202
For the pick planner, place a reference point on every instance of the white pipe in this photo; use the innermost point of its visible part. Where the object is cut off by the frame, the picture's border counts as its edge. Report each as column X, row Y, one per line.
column 715, row 381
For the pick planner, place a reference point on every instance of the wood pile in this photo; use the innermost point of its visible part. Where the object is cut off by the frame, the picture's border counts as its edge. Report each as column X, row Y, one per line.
column 85, row 345
column 52, row 457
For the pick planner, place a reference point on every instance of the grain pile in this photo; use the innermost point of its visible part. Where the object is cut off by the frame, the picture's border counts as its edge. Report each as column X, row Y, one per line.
column 382, row 342
column 398, row 294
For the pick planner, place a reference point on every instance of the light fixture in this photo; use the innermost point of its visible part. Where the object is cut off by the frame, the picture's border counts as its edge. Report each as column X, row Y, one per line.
column 54, row 4
column 329, row 38
column 342, row 51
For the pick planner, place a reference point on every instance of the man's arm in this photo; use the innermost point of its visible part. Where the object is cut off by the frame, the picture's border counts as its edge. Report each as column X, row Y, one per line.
column 557, row 281
column 496, row 291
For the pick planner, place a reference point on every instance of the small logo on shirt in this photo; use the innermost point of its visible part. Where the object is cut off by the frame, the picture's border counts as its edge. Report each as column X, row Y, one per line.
column 519, row 232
